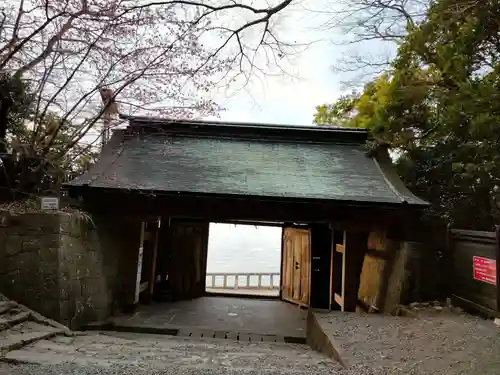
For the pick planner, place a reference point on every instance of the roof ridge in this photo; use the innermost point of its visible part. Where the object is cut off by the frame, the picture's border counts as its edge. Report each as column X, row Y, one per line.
column 242, row 124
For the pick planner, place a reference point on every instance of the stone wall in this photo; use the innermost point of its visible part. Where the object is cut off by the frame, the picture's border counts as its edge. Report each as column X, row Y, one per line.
column 65, row 266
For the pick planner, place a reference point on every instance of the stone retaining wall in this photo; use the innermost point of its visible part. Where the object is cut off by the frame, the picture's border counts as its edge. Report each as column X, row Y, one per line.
column 64, row 266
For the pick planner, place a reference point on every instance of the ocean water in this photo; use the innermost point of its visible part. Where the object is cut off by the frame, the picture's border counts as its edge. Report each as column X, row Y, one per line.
column 244, row 249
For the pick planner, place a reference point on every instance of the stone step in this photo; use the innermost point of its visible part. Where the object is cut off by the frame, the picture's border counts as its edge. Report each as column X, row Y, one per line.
column 12, row 318
column 23, row 334
column 166, row 352
column 6, row 306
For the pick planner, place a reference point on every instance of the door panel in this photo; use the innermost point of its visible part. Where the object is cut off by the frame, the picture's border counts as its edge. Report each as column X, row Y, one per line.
column 287, row 266
column 297, row 265
column 188, row 243
column 305, row 268
column 296, row 268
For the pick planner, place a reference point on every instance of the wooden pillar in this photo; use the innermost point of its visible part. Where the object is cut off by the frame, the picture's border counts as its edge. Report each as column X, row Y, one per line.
column 337, row 249
column 140, row 252
column 355, row 246
column 155, row 232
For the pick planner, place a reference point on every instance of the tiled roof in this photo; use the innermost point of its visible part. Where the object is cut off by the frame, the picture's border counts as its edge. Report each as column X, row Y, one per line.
column 253, row 160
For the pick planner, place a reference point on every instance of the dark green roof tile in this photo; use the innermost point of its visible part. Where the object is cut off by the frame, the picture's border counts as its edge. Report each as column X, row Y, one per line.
column 225, row 165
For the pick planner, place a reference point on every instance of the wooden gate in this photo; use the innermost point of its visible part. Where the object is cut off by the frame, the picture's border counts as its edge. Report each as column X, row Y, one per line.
column 188, row 244
column 296, row 266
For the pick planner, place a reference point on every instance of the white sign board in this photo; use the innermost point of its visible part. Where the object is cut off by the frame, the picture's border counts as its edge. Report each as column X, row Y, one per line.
column 50, row 203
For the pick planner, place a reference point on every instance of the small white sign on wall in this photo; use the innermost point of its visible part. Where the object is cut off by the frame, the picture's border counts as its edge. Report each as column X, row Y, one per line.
column 49, row 203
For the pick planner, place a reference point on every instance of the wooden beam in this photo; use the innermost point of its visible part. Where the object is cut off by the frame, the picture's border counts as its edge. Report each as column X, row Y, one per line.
column 355, row 243
column 339, row 300
column 283, row 262
column 152, row 277
column 249, row 209
column 331, row 277
column 139, row 265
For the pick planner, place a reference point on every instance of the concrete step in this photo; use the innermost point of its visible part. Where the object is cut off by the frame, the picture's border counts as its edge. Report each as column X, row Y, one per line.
column 23, row 334
column 160, row 352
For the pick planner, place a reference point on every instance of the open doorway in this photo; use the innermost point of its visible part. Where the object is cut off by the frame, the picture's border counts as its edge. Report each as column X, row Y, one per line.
column 244, row 260
column 190, row 296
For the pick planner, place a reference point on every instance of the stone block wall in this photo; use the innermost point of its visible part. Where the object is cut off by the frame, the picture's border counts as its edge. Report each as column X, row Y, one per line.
column 66, row 267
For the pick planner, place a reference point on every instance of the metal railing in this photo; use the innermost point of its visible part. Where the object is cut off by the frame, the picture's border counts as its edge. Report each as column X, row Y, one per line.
column 221, row 280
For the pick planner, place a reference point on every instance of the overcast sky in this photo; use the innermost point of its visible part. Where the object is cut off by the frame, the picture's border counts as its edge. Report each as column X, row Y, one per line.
column 281, row 100
column 311, row 81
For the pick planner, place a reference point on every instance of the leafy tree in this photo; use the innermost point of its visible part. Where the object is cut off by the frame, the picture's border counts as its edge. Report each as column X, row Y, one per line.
column 15, row 101
column 439, row 108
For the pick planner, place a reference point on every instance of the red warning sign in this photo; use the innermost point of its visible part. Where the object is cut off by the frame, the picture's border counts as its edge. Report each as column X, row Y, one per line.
column 485, row 270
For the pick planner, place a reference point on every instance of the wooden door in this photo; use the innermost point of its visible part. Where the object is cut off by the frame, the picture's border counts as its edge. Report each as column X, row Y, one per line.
column 188, row 243
column 296, row 266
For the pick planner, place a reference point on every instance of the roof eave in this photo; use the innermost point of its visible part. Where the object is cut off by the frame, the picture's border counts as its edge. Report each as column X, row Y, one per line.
column 82, row 189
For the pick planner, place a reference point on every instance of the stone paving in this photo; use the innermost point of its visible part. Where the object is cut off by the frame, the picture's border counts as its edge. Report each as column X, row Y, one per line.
column 219, row 314
column 166, row 352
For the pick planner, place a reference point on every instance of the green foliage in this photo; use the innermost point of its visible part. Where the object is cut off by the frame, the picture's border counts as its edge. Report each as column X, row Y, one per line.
column 440, row 108
column 42, row 158
column 15, row 104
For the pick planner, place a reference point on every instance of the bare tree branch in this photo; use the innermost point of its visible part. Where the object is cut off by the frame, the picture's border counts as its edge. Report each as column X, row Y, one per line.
column 363, row 23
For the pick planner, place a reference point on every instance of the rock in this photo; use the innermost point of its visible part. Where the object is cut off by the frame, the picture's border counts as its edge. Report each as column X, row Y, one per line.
column 425, row 304
column 497, row 322
column 438, row 308
column 413, row 305
column 436, row 303
column 457, row 310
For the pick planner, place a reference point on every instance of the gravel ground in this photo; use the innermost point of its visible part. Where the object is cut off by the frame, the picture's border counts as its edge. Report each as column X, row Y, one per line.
column 69, row 369
column 451, row 345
